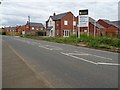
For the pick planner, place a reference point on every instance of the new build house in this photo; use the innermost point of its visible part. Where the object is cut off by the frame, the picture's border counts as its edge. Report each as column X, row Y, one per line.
column 92, row 29
column 111, row 28
column 61, row 25
column 65, row 24
column 31, row 28
column 11, row 30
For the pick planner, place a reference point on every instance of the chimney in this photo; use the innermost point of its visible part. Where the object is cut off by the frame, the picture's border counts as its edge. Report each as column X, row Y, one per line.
column 54, row 14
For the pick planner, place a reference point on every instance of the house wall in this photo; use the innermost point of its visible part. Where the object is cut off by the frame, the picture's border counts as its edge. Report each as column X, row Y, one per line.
column 58, row 28
column 110, row 30
column 29, row 30
column 69, row 17
column 84, row 30
column 51, row 23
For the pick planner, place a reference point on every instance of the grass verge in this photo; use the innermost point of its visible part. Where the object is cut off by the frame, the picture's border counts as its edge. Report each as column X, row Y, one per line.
column 103, row 43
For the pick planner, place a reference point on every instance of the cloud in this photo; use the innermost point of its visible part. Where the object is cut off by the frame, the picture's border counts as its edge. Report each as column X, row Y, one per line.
column 15, row 12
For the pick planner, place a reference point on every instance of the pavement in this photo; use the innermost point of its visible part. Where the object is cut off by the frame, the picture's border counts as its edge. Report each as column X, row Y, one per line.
column 64, row 66
column 16, row 74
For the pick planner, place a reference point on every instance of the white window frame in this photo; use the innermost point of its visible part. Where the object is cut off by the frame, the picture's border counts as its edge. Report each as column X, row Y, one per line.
column 37, row 29
column 66, row 33
column 74, row 23
column 66, row 22
column 85, row 31
column 57, row 24
column 33, row 28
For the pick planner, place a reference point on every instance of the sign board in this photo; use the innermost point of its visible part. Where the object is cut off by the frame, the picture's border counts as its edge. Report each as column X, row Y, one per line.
column 83, row 12
column 83, row 18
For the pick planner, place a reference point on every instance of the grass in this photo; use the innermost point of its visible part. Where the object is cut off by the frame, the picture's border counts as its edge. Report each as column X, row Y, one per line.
column 106, row 43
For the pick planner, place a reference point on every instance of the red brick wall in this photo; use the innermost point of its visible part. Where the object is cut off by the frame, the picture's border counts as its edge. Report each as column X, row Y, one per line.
column 26, row 28
column 104, row 24
column 110, row 30
column 59, row 24
column 69, row 17
column 91, row 29
column 58, row 28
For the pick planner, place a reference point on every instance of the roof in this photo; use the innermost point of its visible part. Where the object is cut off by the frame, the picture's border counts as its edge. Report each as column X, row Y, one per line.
column 92, row 21
column 10, row 28
column 107, row 21
column 115, row 23
column 97, row 25
column 59, row 16
column 36, row 24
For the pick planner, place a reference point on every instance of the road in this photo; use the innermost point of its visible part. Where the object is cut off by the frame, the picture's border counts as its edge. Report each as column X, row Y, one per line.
column 67, row 66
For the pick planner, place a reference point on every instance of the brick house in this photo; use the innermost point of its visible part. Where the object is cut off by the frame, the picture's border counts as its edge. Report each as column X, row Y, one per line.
column 111, row 29
column 11, row 30
column 31, row 28
column 61, row 25
column 92, row 29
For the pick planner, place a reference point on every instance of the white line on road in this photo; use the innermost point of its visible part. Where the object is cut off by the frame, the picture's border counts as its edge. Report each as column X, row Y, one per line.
column 79, row 58
column 101, row 63
column 94, row 55
column 77, row 54
column 100, row 56
column 45, row 47
column 96, row 63
column 49, row 47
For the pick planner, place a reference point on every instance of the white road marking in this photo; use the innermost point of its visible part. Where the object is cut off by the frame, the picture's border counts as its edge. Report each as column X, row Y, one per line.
column 100, row 63
column 79, row 58
column 78, row 54
column 96, row 63
column 100, row 56
column 49, row 47
column 94, row 55
column 45, row 47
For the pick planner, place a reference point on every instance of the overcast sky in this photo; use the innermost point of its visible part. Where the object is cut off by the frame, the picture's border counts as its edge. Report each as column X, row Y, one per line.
column 16, row 12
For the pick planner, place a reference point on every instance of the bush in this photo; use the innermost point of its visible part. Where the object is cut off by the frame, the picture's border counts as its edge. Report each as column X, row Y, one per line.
column 2, row 33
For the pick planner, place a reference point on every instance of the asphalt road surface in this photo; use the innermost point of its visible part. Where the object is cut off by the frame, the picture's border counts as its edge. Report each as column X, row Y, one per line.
column 67, row 66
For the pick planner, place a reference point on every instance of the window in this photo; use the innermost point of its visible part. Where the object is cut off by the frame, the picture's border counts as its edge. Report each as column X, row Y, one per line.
column 32, row 28
column 85, row 31
column 66, row 33
column 65, row 22
column 74, row 23
column 27, row 26
column 50, row 22
column 41, row 28
column 37, row 29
